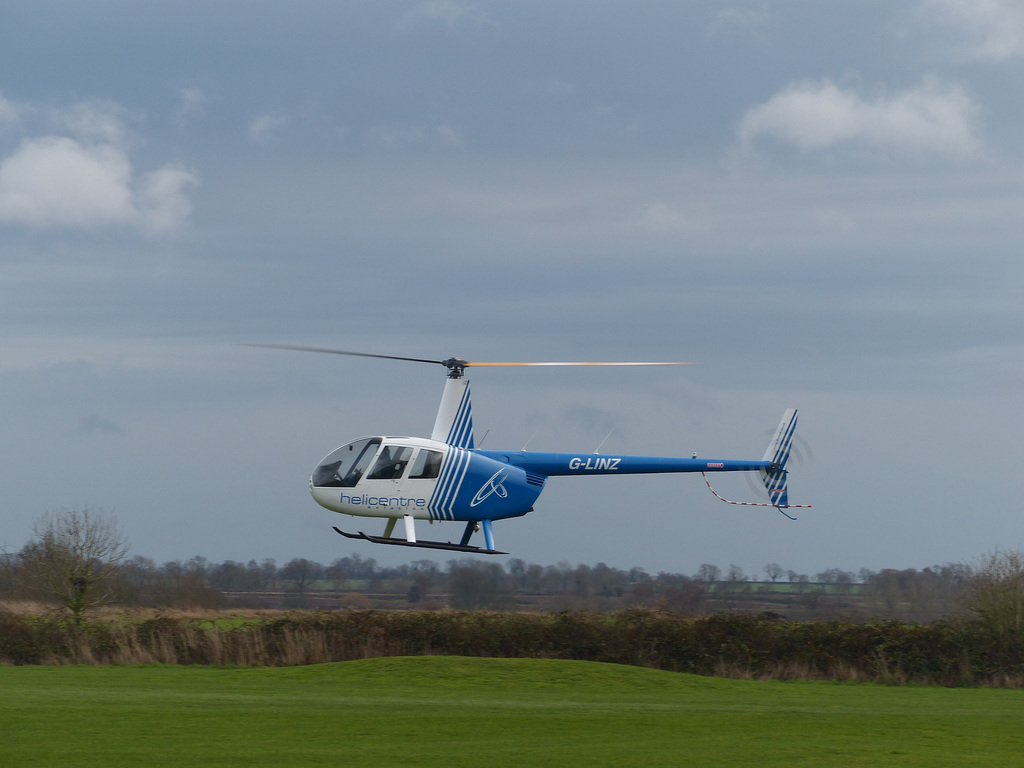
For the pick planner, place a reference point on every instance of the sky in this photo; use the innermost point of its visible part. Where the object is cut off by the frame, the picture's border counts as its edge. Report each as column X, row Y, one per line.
column 818, row 203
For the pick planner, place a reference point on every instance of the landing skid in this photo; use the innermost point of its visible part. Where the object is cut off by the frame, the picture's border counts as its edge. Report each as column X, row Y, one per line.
column 424, row 544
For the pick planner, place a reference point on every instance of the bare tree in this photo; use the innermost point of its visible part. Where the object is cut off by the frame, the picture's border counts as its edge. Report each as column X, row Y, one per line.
column 7, row 579
column 995, row 592
column 76, row 557
column 302, row 573
column 708, row 572
column 736, row 574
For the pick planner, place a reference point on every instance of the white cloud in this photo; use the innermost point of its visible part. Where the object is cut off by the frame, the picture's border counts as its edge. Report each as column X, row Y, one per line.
column 76, row 171
column 264, row 128
column 99, row 121
column 447, row 12
column 934, row 119
column 161, row 201
column 659, row 217
column 448, row 134
column 995, row 28
column 94, row 424
column 443, row 134
column 58, row 181
column 737, row 19
column 190, row 105
column 10, row 113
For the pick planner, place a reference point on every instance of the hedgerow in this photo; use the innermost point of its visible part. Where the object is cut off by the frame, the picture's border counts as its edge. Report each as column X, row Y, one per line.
column 950, row 653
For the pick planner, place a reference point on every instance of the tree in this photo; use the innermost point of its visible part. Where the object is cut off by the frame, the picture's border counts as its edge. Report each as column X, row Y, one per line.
column 423, row 573
column 834, row 576
column 229, row 576
column 736, row 574
column 864, row 575
column 708, row 572
column 773, row 571
column 76, row 557
column 735, row 588
column 7, row 571
column 995, row 592
column 301, row 573
column 475, row 586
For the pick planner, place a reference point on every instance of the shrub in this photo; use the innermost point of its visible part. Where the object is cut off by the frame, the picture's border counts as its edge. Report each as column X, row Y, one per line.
column 734, row 645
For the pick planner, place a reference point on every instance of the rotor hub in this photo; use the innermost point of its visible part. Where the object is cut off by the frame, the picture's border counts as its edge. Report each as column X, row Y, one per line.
column 456, row 367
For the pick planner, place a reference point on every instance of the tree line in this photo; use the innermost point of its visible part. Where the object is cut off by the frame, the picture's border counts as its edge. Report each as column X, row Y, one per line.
column 79, row 560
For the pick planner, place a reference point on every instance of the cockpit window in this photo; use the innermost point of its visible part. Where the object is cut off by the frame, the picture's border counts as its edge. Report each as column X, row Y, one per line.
column 391, row 463
column 427, row 464
column 344, row 467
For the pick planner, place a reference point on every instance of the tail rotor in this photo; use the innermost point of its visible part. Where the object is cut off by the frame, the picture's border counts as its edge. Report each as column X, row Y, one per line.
column 775, row 474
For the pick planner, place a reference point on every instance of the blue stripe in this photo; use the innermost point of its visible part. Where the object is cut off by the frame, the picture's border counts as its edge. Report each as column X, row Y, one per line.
column 461, row 432
column 782, row 453
column 454, row 483
column 453, row 470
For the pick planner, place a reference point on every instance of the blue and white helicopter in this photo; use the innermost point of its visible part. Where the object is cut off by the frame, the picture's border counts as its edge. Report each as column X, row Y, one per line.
column 446, row 478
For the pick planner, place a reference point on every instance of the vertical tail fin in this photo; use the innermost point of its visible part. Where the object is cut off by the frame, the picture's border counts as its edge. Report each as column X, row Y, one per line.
column 774, row 477
column 454, row 422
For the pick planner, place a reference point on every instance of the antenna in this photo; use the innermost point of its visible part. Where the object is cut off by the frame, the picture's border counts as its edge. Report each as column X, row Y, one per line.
column 598, row 449
column 531, row 439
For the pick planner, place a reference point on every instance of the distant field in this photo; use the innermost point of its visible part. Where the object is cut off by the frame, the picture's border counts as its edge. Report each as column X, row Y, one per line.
column 452, row 711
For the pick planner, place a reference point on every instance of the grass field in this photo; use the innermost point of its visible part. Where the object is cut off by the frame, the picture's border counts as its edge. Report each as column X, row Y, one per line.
column 451, row 711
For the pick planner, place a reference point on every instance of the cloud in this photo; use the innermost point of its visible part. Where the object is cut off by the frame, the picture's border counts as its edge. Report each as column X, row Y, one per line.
column 995, row 28
column 448, row 12
column 94, row 121
column 161, row 202
column 10, row 113
column 737, row 19
column 59, row 181
column 190, row 105
column 94, row 424
column 76, row 172
column 936, row 119
column 659, row 217
column 440, row 134
column 56, row 180
column 264, row 128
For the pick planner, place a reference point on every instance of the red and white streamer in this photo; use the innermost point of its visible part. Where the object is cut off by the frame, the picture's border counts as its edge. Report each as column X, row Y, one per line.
column 779, row 507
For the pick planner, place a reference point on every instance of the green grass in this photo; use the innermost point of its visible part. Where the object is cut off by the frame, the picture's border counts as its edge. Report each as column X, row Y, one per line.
column 450, row 711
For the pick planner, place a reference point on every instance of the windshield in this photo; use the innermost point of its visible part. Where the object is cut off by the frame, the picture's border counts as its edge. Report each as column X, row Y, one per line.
column 344, row 467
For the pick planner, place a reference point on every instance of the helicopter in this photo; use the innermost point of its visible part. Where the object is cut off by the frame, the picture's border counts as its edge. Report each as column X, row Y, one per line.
column 447, row 478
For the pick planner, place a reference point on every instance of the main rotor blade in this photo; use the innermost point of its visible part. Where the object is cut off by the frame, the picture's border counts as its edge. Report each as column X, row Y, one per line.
column 455, row 365
column 327, row 350
column 478, row 365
